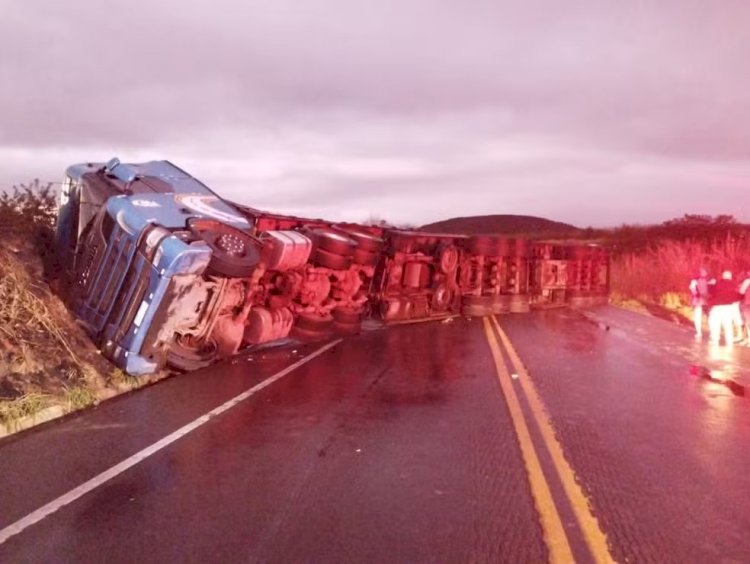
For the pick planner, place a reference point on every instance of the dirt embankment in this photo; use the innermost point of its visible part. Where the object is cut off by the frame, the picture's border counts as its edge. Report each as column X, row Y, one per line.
column 48, row 365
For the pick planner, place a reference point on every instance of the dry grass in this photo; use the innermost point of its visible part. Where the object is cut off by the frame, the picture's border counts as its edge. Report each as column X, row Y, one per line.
column 46, row 359
column 78, row 397
column 660, row 275
column 26, row 406
column 24, row 314
column 124, row 381
column 41, row 354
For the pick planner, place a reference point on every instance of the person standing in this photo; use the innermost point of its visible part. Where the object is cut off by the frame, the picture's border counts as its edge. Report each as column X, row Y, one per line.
column 699, row 294
column 723, row 299
column 745, row 305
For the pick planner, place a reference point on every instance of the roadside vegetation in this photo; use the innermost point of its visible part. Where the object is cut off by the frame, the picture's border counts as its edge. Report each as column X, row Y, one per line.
column 653, row 265
column 47, row 363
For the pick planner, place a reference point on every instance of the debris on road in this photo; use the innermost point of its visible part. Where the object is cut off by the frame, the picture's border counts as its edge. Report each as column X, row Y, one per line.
column 717, row 377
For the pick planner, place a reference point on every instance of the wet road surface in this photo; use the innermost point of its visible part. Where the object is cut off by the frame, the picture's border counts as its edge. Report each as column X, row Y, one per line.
column 406, row 445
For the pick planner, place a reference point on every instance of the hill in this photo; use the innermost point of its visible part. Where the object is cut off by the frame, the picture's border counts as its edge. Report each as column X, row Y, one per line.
column 503, row 223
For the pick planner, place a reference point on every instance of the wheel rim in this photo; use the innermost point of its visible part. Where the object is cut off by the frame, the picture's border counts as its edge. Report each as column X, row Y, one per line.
column 448, row 259
column 234, row 252
column 188, row 353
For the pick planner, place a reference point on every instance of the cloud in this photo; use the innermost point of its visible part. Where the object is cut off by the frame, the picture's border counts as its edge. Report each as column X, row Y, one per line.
column 585, row 112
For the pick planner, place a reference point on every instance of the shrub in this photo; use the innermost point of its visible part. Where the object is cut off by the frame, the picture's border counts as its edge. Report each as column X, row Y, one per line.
column 28, row 209
column 662, row 272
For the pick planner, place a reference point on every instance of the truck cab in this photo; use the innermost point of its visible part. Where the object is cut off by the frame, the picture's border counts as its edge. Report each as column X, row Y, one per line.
column 124, row 234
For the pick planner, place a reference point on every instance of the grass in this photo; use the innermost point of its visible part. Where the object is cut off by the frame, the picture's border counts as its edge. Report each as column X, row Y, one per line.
column 24, row 316
column 12, row 411
column 122, row 379
column 660, row 274
column 37, row 358
column 46, row 359
column 78, row 397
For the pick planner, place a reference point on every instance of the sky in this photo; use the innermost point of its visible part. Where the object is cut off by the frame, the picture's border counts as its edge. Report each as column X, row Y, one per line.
column 589, row 112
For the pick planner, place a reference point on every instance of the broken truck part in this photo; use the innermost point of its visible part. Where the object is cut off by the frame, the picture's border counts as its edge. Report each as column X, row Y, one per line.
column 161, row 271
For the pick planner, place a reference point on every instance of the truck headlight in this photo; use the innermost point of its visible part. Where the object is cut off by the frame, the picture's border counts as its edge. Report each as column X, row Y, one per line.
column 152, row 240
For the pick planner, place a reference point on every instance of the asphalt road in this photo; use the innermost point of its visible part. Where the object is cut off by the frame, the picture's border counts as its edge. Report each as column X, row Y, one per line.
column 427, row 442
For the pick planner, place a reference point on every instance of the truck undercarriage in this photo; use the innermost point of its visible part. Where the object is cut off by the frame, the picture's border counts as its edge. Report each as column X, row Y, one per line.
column 163, row 272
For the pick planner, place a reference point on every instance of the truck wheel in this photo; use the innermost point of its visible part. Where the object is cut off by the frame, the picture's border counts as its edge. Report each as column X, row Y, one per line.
column 346, row 315
column 442, row 298
column 522, row 248
column 234, row 253
column 312, row 327
column 186, row 353
column 476, row 311
column 307, row 336
column 365, row 258
column 519, row 303
column 448, row 258
column 333, row 242
column 501, row 303
column 579, row 298
column 482, row 245
column 402, row 242
column 331, row 260
column 313, row 322
column 364, row 240
column 346, row 328
column 477, row 306
column 503, row 246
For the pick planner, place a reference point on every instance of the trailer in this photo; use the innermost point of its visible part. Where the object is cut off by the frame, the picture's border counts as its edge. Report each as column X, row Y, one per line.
column 162, row 272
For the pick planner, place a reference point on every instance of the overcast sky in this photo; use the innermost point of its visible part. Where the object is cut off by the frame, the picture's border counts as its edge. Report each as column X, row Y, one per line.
column 594, row 113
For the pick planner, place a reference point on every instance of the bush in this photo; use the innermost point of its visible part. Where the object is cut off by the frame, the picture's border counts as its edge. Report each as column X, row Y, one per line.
column 28, row 209
column 662, row 272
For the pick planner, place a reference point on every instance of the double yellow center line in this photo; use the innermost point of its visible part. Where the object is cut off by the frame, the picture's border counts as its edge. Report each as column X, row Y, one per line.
column 555, row 535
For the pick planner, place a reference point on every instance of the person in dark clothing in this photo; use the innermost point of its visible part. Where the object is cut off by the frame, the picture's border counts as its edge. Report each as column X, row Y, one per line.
column 724, row 300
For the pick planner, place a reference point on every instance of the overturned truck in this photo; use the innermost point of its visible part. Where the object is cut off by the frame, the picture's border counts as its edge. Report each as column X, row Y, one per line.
column 163, row 272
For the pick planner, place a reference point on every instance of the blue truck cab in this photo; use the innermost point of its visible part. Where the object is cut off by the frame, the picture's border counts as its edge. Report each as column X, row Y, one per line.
column 125, row 232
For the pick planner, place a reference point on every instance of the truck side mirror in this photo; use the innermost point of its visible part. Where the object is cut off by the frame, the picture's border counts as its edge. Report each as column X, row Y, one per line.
column 111, row 164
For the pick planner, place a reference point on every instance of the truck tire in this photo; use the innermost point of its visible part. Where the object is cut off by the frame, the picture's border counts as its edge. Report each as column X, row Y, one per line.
column 402, row 242
column 519, row 303
column 333, row 242
column 312, row 327
column 364, row 240
column 521, row 248
column 346, row 315
column 482, row 245
column 579, row 298
column 365, row 258
column 503, row 246
column 308, row 336
column 477, row 306
column 442, row 298
column 476, row 311
column 331, row 260
column 313, row 322
column 501, row 304
column 346, row 328
column 186, row 353
column 234, row 253
column 448, row 258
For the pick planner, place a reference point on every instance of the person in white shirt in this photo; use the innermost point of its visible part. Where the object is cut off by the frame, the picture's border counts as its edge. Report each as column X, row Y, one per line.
column 699, row 292
column 724, row 301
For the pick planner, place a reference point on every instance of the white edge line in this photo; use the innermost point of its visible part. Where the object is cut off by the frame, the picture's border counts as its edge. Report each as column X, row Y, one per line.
column 69, row 497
